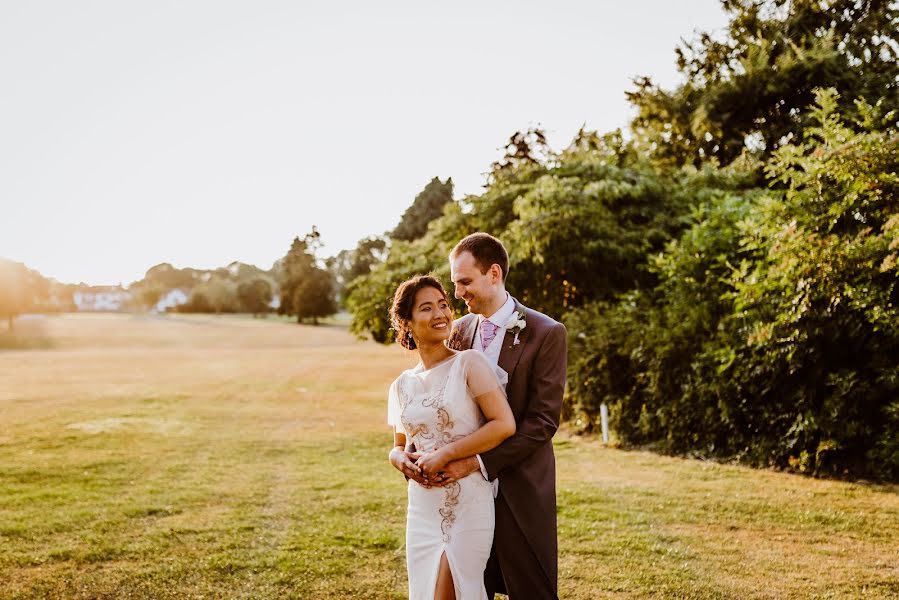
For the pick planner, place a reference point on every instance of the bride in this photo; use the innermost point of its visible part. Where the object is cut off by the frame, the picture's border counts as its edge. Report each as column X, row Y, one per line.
column 452, row 405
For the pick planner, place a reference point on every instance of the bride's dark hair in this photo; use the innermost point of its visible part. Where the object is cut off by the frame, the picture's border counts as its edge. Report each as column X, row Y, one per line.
column 403, row 302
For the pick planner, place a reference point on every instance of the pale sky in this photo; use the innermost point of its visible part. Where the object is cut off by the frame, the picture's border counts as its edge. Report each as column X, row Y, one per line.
column 202, row 132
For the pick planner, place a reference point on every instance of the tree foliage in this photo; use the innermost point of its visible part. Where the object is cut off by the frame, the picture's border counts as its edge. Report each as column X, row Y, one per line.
column 255, row 296
column 167, row 277
column 347, row 265
column 773, row 333
column 747, row 89
column 220, row 293
column 21, row 290
column 307, row 290
column 427, row 206
column 577, row 226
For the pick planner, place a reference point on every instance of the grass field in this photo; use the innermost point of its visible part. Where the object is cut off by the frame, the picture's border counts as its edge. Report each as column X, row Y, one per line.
column 203, row 457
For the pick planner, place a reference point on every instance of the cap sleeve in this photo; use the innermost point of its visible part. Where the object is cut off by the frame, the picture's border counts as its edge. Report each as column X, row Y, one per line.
column 393, row 407
column 481, row 375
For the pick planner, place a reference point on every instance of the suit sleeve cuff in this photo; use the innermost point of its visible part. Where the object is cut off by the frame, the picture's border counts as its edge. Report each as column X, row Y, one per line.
column 483, row 468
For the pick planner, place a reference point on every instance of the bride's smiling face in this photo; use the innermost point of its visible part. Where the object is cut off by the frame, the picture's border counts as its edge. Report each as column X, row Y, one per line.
column 432, row 316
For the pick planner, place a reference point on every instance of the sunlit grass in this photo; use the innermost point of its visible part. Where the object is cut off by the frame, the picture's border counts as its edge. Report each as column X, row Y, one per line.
column 199, row 456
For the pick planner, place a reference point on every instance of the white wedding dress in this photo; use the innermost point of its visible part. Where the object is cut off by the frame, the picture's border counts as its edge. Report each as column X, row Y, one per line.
column 434, row 407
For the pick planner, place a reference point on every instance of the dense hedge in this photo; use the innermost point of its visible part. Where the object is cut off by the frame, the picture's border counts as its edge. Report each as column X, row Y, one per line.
column 772, row 335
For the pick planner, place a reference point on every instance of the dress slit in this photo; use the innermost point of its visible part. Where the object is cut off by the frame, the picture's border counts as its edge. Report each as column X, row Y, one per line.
column 449, row 561
column 435, row 573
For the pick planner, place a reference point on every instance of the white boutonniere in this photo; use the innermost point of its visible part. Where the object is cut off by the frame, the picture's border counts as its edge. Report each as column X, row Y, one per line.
column 515, row 324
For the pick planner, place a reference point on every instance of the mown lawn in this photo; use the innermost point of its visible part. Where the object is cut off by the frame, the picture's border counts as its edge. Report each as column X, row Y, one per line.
column 203, row 457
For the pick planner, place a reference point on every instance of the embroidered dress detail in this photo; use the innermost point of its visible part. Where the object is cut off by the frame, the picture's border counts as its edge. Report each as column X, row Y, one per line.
column 448, row 512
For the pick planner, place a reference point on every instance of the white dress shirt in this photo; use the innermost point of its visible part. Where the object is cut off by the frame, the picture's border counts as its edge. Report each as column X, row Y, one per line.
column 499, row 318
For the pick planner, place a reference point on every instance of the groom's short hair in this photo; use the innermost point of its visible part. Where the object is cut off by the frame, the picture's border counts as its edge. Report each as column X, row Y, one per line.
column 486, row 250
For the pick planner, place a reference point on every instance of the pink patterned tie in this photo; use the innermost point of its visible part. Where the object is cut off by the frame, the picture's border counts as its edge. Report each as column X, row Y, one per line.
column 488, row 332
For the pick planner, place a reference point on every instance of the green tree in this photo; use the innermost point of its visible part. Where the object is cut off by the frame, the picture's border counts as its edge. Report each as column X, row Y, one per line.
column 221, row 294
column 314, row 296
column 197, row 302
column 427, row 206
column 241, row 272
column 584, row 228
column 819, row 306
column 350, row 264
column 748, row 89
column 166, row 277
column 291, row 268
column 524, row 148
column 21, row 290
column 307, row 290
column 255, row 295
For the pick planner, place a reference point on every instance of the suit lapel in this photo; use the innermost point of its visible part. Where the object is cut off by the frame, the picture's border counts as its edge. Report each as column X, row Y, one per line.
column 510, row 353
column 470, row 332
column 462, row 337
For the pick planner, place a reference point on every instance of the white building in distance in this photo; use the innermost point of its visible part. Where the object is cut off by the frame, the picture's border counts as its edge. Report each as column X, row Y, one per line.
column 111, row 300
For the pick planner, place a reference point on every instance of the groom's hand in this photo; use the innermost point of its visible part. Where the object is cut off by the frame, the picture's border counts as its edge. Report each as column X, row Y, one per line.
column 456, row 470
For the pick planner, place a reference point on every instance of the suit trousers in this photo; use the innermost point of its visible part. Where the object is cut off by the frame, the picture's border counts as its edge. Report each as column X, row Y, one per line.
column 513, row 567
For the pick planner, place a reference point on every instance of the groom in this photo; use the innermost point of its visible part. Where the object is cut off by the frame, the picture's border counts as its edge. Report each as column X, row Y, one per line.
column 532, row 349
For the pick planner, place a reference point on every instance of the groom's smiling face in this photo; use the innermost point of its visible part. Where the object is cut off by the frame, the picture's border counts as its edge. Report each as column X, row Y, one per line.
column 479, row 290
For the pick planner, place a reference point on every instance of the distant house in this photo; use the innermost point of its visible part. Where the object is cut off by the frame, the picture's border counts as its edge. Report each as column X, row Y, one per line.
column 101, row 300
column 171, row 299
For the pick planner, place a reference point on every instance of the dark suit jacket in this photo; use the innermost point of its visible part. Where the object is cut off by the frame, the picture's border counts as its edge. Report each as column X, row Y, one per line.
column 525, row 462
